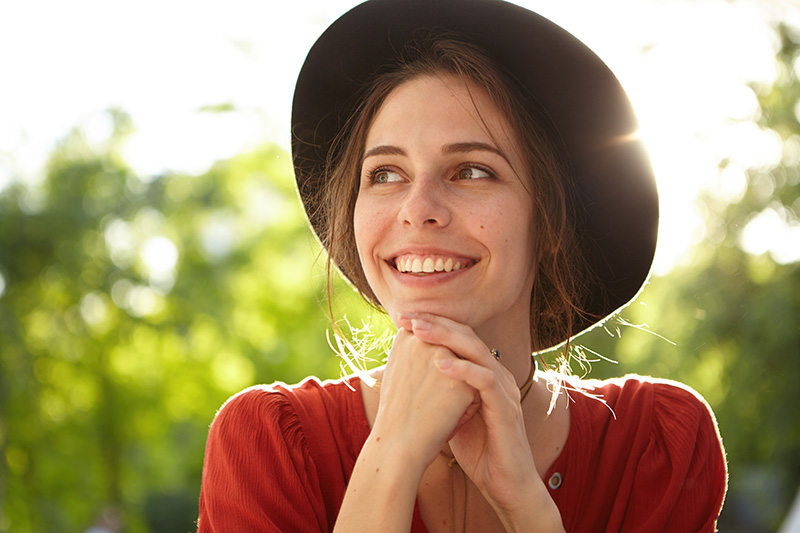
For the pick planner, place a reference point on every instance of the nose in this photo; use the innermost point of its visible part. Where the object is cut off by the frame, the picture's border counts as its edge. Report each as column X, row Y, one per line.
column 425, row 204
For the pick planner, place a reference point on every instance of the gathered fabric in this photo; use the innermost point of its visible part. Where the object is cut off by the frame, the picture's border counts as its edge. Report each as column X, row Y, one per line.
column 642, row 455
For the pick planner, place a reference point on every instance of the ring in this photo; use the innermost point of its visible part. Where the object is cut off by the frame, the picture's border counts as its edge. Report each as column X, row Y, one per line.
column 496, row 354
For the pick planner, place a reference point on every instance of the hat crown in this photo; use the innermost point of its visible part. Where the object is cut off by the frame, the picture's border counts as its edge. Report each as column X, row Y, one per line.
column 591, row 114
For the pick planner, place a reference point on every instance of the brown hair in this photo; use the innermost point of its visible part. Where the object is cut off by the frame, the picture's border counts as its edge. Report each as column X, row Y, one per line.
column 562, row 275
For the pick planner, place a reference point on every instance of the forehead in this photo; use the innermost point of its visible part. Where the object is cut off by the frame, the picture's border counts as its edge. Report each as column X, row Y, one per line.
column 443, row 105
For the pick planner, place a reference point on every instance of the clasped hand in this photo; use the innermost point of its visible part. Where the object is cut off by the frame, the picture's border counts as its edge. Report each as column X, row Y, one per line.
column 441, row 385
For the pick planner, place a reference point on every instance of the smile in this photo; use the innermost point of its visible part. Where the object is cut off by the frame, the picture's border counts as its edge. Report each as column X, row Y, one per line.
column 428, row 264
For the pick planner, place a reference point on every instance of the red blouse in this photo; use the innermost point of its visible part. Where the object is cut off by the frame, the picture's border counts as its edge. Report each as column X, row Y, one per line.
column 649, row 458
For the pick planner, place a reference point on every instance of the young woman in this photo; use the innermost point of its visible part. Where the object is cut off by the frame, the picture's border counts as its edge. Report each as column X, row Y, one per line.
column 473, row 170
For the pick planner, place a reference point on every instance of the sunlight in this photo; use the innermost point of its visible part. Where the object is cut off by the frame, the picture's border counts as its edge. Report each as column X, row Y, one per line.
column 771, row 232
column 160, row 256
column 120, row 242
column 94, row 309
column 218, row 234
column 5, row 174
column 188, row 141
column 685, row 65
column 695, row 108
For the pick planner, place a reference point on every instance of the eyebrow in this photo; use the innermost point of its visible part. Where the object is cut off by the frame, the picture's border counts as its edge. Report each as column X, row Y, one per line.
column 474, row 146
column 384, row 149
column 454, row 148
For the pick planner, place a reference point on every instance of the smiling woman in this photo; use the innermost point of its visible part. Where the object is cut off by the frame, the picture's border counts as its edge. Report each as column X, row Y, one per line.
column 491, row 126
column 482, row 185
column 450, row 199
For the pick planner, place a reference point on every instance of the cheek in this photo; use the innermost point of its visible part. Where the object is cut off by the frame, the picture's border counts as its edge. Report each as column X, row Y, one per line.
column 519, row 237
column 365, row 230
column 360, row 229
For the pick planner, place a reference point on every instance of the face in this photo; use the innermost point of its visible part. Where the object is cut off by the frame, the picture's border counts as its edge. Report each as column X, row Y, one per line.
column 443, row 221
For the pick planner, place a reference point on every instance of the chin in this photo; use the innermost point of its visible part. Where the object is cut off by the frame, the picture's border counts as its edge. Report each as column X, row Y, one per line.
column 450, row 310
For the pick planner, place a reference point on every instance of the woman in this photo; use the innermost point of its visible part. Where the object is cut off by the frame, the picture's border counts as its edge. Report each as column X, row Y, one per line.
column 472, row 169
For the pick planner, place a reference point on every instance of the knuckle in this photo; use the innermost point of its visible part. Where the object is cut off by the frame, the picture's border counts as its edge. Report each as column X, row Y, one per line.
column 441, row 352
column 490, row 380
column 402, row 335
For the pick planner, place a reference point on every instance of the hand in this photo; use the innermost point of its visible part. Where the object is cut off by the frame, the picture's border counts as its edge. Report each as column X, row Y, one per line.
column 491, row 447
column 420, row 407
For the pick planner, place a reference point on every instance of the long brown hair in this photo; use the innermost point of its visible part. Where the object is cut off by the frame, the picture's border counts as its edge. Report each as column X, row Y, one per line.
column 561, row 275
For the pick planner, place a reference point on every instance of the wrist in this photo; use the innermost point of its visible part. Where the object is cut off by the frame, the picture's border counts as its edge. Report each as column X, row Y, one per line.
column 535, row 511
column 382, row 490
column 393, row 460
column 549, row 522
column 411, row 450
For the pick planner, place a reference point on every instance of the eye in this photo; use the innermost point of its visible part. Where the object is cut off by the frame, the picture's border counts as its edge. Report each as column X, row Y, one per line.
column 384, row 175
column 473, row 172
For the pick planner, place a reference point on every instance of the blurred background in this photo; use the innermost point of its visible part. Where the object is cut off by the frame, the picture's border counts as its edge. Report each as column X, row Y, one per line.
column 154, row 258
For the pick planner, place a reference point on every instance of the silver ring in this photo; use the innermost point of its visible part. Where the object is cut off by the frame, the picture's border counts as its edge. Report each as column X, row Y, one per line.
column 496, row 354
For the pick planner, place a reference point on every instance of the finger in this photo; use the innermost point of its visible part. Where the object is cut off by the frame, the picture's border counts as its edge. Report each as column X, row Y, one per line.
column 494, row 389
column 471, row 410
column 459, row 338
column 406, row 318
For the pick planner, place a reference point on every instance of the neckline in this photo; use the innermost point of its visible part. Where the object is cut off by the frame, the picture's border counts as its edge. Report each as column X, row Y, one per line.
column 574, row 436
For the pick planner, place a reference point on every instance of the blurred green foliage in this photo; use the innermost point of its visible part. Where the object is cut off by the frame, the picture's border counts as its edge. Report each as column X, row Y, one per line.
column 131, row 307
column 733, row 325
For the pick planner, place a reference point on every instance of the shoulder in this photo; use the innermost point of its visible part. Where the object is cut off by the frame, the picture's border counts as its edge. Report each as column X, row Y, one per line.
column 639, row 408
column 286, row 406
column 660, row 442
column 634, row 395
column 274, row 457
column 633, row 384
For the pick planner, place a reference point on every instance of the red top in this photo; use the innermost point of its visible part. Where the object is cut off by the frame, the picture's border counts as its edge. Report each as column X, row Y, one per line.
column 278, row 458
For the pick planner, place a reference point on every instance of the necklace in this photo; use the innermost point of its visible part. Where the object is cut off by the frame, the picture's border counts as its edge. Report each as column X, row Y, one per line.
column 451, row 461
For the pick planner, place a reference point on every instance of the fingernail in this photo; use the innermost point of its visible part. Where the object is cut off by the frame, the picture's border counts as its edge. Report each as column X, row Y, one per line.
column 443, row 364
column 419, row 324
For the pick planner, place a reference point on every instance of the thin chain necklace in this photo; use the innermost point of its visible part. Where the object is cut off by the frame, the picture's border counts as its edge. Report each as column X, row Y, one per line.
column 451, row 461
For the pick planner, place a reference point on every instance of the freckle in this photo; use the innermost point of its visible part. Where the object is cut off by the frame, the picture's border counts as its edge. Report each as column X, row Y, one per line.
column 481, row 226
column 378, row 439
column 377, row 470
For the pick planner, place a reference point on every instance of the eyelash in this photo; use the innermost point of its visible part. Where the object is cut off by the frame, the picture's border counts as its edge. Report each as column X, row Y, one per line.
column 372, row 174
column 477, row 166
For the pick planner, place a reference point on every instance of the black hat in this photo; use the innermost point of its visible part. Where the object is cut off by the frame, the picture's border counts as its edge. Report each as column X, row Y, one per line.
column 586, row 105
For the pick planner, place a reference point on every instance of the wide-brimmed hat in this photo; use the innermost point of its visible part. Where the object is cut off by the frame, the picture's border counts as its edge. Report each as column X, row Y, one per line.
column 592, row 116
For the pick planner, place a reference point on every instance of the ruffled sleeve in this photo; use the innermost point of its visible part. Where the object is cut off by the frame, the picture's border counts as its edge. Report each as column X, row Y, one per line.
column 680, row 478
column 258, row 474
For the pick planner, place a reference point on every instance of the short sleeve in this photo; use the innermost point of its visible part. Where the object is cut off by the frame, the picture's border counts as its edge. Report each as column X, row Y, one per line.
column 258, row 474
column 680, row 478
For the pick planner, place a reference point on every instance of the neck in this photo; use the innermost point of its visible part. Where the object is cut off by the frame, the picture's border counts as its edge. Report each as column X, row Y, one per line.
column 514, row 346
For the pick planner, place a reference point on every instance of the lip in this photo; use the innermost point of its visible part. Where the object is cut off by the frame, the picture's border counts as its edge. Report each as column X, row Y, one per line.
column 422, row 251
column 433, row 277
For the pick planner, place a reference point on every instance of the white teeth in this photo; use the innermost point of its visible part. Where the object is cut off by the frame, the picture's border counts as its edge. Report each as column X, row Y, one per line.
column 427, row 265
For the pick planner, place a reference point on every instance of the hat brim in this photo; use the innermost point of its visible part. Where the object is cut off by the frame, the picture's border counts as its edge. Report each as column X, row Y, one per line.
column 614, row 180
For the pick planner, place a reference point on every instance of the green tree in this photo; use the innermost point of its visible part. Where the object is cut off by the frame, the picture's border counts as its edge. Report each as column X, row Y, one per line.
column 732, row 319
column 133, row 307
